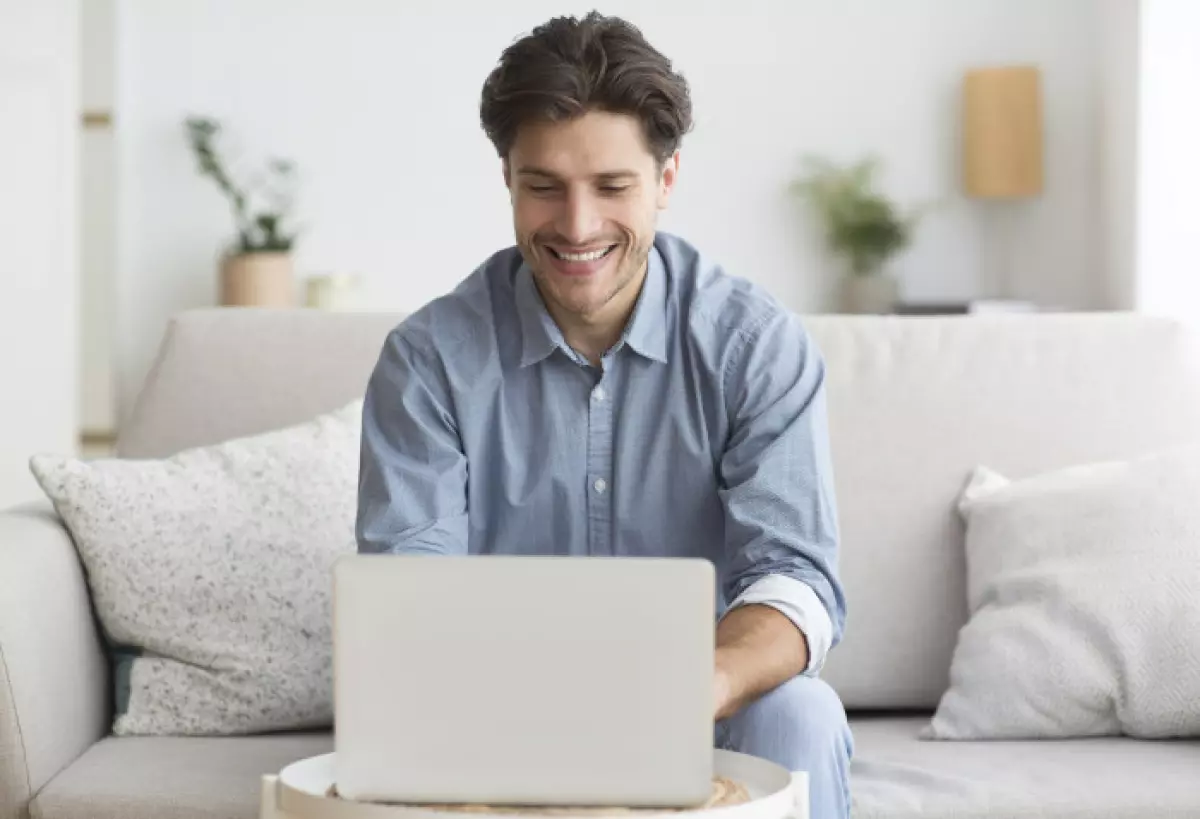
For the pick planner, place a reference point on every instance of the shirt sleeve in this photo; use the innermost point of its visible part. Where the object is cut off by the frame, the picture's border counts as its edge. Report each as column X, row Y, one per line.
column 412, row 492
column 777, row 483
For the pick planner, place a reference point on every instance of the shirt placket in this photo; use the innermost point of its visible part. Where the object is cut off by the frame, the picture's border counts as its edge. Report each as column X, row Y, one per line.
column 599, row 460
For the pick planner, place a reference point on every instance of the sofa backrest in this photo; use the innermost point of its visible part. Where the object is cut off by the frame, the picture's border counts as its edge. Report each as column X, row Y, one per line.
column 915, row 404
column 222, row 373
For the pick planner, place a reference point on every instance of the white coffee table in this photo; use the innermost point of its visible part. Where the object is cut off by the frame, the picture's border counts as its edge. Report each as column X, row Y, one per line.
column 300, row 791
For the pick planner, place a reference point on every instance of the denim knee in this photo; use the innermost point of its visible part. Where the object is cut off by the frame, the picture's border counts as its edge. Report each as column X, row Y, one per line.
column 795, row 725
column 802, row 726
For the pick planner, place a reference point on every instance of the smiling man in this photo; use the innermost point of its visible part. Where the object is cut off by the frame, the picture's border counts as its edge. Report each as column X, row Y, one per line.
column 602, row 388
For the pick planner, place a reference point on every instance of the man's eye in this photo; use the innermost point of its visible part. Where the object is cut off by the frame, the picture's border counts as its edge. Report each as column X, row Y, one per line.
column 541, row 188
column 614, row 188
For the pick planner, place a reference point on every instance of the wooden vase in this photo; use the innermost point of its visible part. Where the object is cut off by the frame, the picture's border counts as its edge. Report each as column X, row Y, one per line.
column 258, row 280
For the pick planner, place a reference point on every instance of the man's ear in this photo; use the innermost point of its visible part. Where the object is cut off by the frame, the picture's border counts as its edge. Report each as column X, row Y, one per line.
column 666, row 181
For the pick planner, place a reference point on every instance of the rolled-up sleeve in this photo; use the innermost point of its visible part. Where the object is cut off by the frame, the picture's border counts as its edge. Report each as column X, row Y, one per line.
column 777, row 486
column 412, row 492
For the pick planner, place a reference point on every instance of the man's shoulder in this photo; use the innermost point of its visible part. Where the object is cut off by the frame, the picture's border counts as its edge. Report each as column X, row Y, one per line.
column 466, row 314
column 712, row 300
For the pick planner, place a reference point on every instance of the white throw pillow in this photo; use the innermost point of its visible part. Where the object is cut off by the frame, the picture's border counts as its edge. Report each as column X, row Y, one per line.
column 210, row 574
column 1084, row 593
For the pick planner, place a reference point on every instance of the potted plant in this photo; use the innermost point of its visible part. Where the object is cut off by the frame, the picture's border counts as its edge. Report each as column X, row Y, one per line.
column 862, row 226
column 256, row 269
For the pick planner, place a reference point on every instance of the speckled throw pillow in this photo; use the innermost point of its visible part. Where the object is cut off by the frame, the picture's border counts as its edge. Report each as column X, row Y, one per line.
column 210, row 573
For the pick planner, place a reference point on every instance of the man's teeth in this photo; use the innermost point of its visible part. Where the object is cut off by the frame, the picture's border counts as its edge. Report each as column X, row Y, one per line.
column 582, row 257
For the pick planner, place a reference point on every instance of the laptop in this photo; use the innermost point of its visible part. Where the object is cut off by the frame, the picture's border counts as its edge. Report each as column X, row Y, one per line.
column 550, row 681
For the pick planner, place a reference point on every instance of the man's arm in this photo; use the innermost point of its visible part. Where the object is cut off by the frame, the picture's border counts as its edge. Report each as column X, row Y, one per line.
column 412, row 494
column 758, row 648
column 782, row 531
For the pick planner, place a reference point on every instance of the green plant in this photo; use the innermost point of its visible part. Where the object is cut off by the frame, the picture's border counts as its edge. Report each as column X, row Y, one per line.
column 260, row 210
column 860, row 222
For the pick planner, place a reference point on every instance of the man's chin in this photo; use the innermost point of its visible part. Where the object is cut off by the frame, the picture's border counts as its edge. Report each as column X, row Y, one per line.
column 581, row 308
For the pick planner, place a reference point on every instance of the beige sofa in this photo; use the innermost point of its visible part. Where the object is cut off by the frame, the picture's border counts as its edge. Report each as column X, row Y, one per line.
column 916, row 403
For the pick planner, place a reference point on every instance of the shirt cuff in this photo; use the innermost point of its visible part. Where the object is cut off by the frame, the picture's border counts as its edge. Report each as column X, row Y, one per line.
column 800, row 604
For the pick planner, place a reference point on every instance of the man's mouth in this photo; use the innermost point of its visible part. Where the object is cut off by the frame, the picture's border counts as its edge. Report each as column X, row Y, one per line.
column 583, row 256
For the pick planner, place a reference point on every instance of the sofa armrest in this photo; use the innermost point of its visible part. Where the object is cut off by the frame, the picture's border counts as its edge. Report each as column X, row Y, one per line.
column 54, row 689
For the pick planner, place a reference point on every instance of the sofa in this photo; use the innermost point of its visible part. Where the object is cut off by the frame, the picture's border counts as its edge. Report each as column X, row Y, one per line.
column 915, row 404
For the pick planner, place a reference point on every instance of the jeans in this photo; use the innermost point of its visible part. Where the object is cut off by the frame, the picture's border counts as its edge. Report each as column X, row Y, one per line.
column 802, row 726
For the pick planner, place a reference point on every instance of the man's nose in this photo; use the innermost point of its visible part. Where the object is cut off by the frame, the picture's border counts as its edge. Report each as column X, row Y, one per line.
column 580, row 219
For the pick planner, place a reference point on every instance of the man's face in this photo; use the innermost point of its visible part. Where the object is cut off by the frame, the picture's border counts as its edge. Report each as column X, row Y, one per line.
column 586, row 195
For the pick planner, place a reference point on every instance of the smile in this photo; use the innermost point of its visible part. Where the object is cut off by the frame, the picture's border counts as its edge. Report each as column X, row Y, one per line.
column 590, row 256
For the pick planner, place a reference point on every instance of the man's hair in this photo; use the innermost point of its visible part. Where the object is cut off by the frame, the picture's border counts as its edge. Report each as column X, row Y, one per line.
column 567, row 66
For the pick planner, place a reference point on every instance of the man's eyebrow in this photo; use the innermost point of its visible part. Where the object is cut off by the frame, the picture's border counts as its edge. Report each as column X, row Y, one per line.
column 607, row 176
column 533, row 170
column 613, row 176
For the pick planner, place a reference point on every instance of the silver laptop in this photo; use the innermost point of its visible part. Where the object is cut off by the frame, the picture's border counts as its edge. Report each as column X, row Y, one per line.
column 524, row 680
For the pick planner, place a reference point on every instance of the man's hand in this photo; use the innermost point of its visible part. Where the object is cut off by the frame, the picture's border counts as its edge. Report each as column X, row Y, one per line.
column 758, row 648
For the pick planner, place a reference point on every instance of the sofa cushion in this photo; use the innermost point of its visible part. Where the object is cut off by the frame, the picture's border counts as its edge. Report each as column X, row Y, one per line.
column 896, row 775
column 1083, row 586
column 224, row 373
column 211, row 574
column 172, row 777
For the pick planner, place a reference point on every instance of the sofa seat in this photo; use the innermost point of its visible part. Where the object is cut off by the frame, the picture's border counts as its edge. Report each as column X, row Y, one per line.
column 172, row 778
column 896, row 775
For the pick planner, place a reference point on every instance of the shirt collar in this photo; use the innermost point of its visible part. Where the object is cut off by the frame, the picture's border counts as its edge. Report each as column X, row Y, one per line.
column 539, row 334
column 645, row 332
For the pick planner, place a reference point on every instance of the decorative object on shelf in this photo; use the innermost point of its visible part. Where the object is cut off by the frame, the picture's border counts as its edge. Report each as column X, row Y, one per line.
column 973, row 307
column 332, row 291
column 862, row 226
column 257, row 269
column 1002, row 158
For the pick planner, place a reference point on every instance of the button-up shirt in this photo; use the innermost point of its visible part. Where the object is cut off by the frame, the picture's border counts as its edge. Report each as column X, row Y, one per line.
column 702, row 433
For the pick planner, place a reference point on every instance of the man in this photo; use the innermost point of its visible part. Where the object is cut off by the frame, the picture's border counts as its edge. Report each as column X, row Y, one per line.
column 601, row 388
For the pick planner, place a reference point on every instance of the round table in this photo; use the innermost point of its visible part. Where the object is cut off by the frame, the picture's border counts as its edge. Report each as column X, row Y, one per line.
column 301, row 791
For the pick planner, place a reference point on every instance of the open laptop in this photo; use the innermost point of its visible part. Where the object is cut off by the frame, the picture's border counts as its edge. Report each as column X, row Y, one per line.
column 524, row 680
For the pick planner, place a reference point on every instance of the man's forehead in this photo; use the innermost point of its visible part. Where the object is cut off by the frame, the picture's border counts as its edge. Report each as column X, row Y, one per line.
column 586, row 147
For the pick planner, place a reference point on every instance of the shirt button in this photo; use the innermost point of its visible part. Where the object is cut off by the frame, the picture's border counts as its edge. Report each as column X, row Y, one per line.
column 600, row 485
column 599, row 394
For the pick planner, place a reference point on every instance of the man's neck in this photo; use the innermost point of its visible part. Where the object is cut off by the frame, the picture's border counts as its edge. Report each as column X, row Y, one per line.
column 593, row 336
column 593, row 341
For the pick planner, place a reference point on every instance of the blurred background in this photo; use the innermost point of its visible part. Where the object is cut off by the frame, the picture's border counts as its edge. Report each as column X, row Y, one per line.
column 1004, row 154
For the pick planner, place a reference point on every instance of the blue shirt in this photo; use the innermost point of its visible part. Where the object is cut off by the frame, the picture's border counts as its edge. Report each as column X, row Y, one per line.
column 702, row 434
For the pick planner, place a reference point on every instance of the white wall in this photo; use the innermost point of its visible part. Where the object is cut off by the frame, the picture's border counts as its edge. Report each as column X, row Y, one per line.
column 1168, row 279
column 38, row 267
column 377, row 101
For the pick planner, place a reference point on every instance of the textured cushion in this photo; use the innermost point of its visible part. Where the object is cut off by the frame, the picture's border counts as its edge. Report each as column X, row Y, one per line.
column 896, row 775
column 172, row 777
column 1084, row 590
column 211, row 573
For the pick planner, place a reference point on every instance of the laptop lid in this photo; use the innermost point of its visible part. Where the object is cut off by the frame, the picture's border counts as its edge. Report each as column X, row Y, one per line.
column 524, row 680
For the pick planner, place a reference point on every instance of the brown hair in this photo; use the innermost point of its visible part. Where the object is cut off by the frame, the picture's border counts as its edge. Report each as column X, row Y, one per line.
column 566, row 67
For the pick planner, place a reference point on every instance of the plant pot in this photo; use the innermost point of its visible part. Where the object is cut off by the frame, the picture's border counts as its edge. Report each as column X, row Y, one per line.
column 257, row 280
column 870, row 293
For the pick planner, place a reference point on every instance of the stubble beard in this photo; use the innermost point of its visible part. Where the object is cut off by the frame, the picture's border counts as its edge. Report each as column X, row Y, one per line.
column 633, row 257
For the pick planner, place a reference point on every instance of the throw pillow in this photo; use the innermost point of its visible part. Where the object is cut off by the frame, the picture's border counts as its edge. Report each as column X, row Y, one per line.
column 1084, row 593
column 210, row 574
